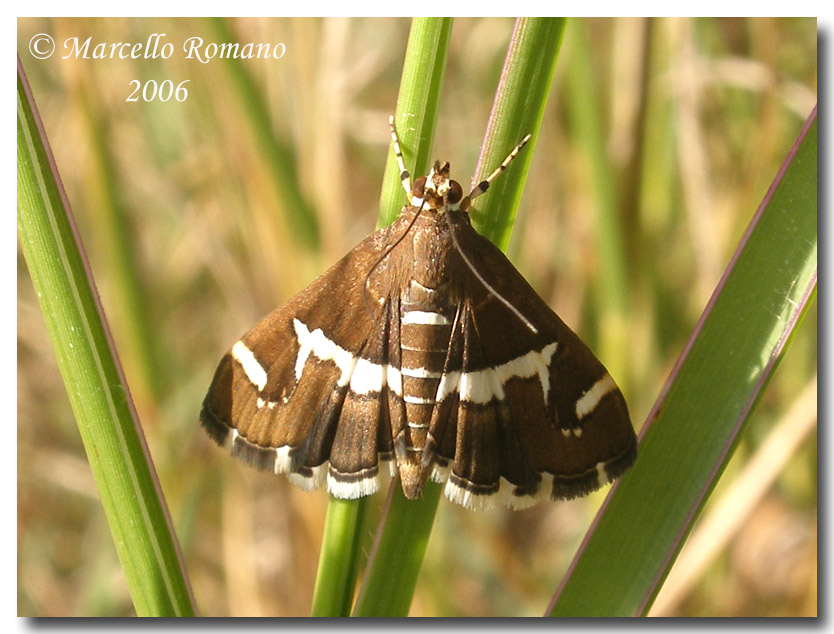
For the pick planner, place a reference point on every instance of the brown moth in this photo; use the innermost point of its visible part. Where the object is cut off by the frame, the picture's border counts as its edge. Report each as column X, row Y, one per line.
column 425, row 351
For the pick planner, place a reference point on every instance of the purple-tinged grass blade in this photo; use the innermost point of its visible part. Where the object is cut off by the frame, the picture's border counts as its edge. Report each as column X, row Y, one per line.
column 697, row 420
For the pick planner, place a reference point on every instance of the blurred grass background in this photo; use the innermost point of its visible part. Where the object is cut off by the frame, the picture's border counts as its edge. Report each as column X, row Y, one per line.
column 664, row 133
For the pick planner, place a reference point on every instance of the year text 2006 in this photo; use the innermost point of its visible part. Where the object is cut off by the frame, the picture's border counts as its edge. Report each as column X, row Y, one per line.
column 152, row 90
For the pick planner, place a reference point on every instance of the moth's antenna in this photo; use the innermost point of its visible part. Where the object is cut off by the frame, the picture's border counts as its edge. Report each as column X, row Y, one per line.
column 487, row 285
column 405, row 177
column 479, row 189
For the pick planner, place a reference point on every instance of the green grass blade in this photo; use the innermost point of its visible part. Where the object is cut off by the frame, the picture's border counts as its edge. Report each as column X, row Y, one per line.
column 611, row 282
column 114, row 443
column 517, row 110
column 427, row 48
column 339, row 559
column 416, row 113
column 398, row 554
column 696, row 423
column 301, row 218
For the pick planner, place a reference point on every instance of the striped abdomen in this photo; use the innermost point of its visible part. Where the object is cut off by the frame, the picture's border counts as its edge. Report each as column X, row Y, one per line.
column 425, row 330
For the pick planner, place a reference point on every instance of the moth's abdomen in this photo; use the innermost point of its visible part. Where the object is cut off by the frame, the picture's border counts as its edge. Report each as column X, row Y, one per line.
column 425, row 331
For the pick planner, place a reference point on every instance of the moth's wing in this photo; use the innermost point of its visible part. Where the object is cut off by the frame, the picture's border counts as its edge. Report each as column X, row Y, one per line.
column 538, row 416
column 304, row 392
column 474, row 441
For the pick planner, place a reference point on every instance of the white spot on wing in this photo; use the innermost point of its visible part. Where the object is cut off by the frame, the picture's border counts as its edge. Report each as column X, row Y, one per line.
column 448, row 383
column 305, row 346
column 367, row 377
column 317, row 343
column 481, row 386
column 592, row 397
column 254, row 371
column 542, row 362
column 363, row 375
column 395, row 380
column 602, row 475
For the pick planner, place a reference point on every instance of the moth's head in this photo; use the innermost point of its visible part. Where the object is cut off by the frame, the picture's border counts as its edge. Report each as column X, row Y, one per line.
column 437, row 191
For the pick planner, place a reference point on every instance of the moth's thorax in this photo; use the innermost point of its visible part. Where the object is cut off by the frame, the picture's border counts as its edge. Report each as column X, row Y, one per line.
column 435, row 199
column 433, row 256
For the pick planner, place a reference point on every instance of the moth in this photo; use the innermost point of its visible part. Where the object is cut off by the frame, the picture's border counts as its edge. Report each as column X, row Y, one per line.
column 423, row 352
